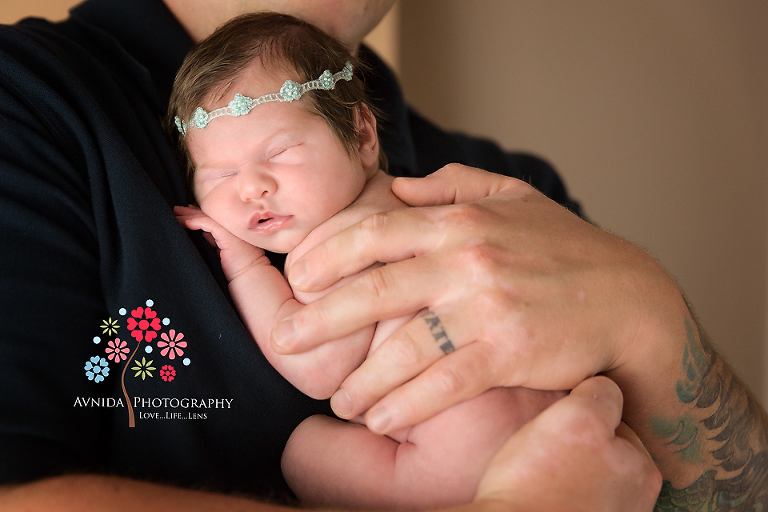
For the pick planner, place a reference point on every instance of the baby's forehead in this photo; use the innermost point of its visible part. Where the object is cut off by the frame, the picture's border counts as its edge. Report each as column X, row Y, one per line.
column 259, row 78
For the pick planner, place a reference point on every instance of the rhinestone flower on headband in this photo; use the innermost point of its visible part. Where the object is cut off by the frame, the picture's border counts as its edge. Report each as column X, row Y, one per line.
column 241, row 105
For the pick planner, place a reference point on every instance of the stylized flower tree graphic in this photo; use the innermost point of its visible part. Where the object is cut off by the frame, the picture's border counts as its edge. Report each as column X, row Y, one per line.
column 173, row 344
column 168, row 373
column 144, row 326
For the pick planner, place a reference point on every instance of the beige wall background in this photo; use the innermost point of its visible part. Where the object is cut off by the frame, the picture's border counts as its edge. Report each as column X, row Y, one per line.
column 654, row 112
column 13, row 10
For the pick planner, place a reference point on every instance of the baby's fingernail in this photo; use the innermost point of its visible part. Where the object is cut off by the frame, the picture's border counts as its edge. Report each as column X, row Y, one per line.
column 284, row 333
column 378, row 420
column 299, row 273
column 341, row 404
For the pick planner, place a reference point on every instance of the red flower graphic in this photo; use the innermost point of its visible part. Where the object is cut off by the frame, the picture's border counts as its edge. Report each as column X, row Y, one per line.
column 143, row 320
column 168, row 373
column 172, row 344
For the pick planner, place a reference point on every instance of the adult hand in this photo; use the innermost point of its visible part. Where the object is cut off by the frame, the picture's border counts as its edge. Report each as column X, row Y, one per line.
column 576, row 455
column 527, row 293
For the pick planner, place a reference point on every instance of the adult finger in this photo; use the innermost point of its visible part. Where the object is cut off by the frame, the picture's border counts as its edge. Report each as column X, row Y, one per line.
column 439, row 387
column 410, row 350
column 627, row 434
column 400, row 234
column 383, row 237
column 602, row 398
column 385, row 292
column 463, row 374
column 574, row 456
column 454, row 184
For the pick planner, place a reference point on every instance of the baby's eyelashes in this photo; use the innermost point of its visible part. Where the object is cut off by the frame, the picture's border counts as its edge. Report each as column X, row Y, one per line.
column 213, row 174
column 282, row 153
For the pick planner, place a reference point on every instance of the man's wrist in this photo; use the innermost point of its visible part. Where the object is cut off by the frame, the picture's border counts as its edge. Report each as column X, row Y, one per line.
column 657, row 333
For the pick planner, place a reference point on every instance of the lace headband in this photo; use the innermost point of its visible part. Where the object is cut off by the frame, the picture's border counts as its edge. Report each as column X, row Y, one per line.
column 241, row 105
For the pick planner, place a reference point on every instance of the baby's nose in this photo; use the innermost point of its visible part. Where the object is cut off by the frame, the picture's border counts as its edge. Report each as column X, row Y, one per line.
column 255, row 184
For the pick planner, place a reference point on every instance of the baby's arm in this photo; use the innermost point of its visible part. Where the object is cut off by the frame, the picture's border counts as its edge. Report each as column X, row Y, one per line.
column 263, row 297
column 328, row 462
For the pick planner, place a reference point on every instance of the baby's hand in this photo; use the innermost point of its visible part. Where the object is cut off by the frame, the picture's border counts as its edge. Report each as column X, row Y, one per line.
column 236, row 255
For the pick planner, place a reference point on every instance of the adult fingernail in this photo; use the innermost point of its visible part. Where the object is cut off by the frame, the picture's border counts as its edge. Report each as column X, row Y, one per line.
column 341, row 404
column 377, row 420
column 299, row 273
column 284, row 333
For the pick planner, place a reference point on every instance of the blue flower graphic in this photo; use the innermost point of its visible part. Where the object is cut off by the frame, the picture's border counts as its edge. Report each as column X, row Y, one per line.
column 97, row 368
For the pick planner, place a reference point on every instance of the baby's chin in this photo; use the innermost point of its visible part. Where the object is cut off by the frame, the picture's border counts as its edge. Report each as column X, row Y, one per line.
column 280, row 243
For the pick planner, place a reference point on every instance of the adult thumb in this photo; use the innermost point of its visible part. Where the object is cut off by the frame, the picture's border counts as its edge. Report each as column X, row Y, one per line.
column 452, row 184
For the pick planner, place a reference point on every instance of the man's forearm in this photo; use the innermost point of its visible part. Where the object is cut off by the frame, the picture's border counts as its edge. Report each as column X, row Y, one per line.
column 86, row 493
column 704, row 429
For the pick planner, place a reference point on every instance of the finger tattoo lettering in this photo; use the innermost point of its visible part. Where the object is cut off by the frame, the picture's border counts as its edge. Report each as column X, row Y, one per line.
column 438, row 332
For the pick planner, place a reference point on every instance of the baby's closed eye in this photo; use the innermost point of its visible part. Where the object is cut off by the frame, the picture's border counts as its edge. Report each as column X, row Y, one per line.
column 285, row 154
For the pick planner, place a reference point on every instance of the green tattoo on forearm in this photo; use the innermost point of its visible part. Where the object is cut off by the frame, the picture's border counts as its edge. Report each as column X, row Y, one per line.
column 696, row 362
column 684, row 434
column 732, row 431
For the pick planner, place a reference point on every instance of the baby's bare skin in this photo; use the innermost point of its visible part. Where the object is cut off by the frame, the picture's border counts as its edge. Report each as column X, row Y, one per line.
column 286, row 168
column 328, row 462
column 332, row 462
column 439, row 463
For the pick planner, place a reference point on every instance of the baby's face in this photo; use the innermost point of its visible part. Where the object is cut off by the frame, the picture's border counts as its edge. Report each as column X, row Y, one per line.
column 272, row 176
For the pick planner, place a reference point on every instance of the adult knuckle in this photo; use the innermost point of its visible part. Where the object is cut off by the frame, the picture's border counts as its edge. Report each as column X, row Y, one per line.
column 487, row 365
column 588, row 422
column 449, row 380
column 316, row 314
column 374, row 227
column 377, row 284
column 515, row 183
column 496, row 303
column 468, row 215
column 655, row 480
column 480, row 257
column 453, row 170
column 405, row 350
column 605, row 390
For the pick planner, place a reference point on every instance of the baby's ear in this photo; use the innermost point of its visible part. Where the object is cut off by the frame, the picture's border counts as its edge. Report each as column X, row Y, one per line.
column 367, row 138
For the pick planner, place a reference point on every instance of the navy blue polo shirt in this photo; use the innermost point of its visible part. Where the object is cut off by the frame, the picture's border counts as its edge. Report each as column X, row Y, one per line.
column 120, row 350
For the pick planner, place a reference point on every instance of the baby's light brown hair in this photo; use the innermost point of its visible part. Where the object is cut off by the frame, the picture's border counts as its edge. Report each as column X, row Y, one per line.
column 280, row 42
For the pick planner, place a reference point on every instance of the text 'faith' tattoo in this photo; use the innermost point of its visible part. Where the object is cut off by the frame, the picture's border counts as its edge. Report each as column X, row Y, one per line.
column 438, row 332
